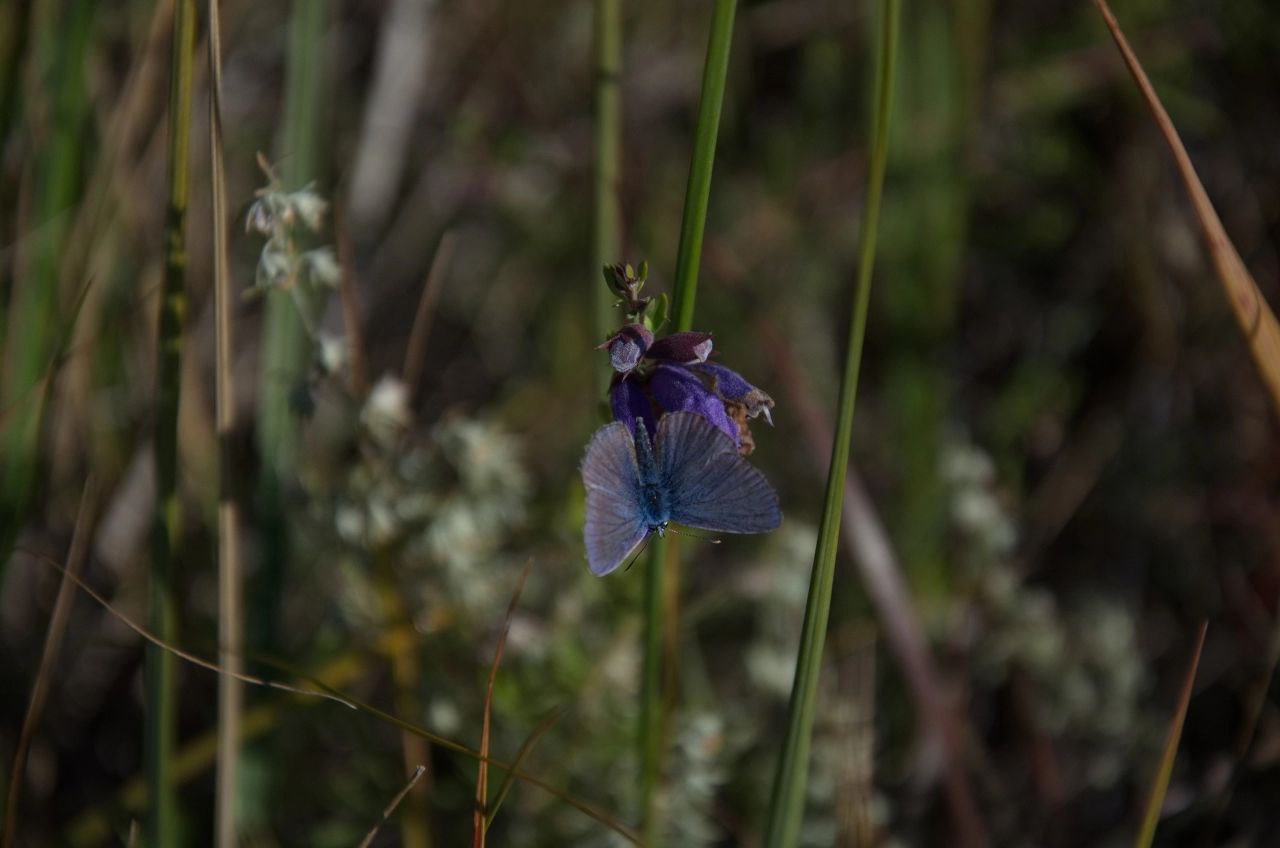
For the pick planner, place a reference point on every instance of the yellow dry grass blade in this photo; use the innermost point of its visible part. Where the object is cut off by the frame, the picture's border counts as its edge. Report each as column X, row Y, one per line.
column 1160, row 784
column 1257, row 321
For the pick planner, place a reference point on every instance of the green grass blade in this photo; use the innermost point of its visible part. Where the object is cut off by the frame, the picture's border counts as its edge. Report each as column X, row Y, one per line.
column 693, row 224
column 1155, row 799
column 162, row 695
column 787, row 805
column 651, row 702
column 284, row 342
column 714, row 74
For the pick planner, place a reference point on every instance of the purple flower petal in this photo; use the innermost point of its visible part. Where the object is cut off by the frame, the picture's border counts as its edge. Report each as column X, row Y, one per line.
column 683, row 348
column 676, row 389
column 627, row 347
column 729, row 386
column 629, row 404
column 624, row 354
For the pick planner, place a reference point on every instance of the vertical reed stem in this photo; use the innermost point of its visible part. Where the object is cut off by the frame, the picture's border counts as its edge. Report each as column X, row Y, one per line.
column 608, row 157
column 230, row 630
column 714, row 74
column 284, row 340
column 162, row 696
column 787, row 806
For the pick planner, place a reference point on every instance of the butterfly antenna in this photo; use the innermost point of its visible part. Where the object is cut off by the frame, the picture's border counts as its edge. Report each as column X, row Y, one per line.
column 639, row 551
column 687, row 532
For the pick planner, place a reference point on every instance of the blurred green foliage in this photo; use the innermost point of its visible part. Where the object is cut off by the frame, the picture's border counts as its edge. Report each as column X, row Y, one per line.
column 1058, row 421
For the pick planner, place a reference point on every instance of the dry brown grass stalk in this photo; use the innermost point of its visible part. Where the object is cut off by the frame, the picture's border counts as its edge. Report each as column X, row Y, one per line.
column 1257, row 321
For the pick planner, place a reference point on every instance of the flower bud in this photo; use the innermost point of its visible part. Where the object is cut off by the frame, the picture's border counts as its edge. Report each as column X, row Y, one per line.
column 682, row 348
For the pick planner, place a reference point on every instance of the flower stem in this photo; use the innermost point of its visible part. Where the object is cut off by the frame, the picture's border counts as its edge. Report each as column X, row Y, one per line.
column 714, row 74
column 684, row 291
column 651, row 742
column 787, row 805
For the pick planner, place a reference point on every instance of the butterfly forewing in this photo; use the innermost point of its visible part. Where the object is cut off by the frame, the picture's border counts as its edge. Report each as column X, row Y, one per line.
column 614, row 517
column 710, row 486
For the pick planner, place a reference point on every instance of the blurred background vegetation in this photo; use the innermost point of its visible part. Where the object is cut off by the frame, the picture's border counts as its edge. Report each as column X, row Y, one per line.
column 1060, row 426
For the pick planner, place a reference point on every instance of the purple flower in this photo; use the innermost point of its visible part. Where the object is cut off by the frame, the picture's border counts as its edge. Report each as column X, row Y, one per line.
column 731, row 388
column 678, row 389
column 630, row 403
column 678, row 378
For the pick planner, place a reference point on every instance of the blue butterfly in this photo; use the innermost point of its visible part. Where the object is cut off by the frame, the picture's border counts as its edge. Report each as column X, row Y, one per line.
column 692, row 475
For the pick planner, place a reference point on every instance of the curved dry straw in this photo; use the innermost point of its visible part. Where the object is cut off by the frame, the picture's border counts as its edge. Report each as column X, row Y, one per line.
column 327, row 692
column 81, row 537
column 230, row 630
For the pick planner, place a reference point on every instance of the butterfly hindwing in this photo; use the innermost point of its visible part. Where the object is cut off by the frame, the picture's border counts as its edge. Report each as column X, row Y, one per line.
column 614, row 516
column 709, row 485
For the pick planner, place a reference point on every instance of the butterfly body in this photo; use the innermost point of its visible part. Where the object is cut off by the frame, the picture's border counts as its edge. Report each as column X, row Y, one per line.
column 655, row 506
column 691, row 474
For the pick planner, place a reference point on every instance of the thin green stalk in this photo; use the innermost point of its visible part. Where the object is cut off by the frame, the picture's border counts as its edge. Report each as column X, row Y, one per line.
column 787, row 806
column 651, row 741
column 714, row 74
column 230, row 631
column 608, row 158
column 162, row 695
column 284, row 341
